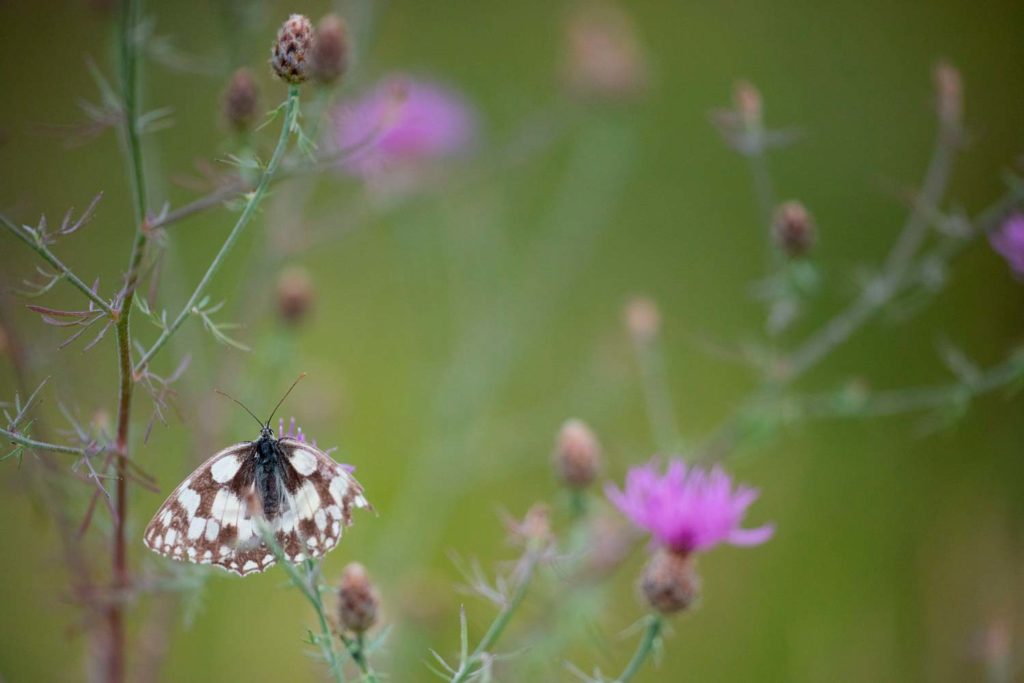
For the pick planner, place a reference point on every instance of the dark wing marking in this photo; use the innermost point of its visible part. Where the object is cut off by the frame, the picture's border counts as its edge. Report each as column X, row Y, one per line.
column 320, row 495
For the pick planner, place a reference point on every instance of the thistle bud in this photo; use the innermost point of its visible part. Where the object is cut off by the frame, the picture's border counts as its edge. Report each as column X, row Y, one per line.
column 670, row 583
column 643, row 319
column 949, row 91
column 292, row 51
column 330, row 50
column 577, row 455
column 793, row 229
column 358, row 601
column 604, row 58
column 295, row 295
column 241, row 100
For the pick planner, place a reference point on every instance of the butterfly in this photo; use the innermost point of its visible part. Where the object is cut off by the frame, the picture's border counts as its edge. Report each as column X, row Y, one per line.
column 282, row 483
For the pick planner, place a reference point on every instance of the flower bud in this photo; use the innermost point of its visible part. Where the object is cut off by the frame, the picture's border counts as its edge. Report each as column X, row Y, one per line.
column 295, row 295
column 330, row 50
column 643, row 319
column 793, row 229
column 241, row 100
column 670, row 583
column 358, row 601
column 577, row 455
column 292, row 51
column 605, row 59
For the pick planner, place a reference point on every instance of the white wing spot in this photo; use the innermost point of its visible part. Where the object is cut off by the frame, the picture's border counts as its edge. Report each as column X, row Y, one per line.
column 189, row 500
column 321, row 519
column 195, row 527
column 307, row 500
column 339, row 487
column 172, row 534
column 249, row 566
column 224, row 469
column 267, row 559
column 303, row 461
column 212, row 529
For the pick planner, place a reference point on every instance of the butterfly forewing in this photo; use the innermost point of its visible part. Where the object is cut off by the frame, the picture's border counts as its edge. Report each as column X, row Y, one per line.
column 214, row 516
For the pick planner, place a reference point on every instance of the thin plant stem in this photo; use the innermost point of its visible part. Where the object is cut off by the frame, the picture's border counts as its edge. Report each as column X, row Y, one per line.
column 643, row 651
column 657, row 395
column 356, row 647
column 290, row 117
column 51, row 258
column 20, row 439
column 129, row 84
column 469, row 665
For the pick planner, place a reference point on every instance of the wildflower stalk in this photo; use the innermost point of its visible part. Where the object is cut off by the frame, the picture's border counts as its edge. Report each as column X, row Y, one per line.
column 256, row 196
column 309, row 586
column 357, row 650
column 470, row 665
column 122, row 328
column 647, row 643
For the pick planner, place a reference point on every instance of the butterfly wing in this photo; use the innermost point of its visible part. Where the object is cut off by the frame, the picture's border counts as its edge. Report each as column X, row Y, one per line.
column 206, row 519
column 319, row 501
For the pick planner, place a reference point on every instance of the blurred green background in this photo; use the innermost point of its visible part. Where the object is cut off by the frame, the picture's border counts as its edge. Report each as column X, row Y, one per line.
column 453, row 332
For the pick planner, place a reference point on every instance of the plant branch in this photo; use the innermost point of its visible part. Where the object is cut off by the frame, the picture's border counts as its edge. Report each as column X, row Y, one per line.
column 40, row 248
column 22, row 440
column 290, row 118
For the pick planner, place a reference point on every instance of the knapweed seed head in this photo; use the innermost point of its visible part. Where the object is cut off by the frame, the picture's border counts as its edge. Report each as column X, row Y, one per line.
column 577, row 455
column 687, row 509
column 793, row 229
column 643, row 319
column 241, row 100
column 746, row 99
column 330, row 50
column 358, row 600
column 403, row 122
column 1008, row 241
column 295, row 295
column 291, row 54
column 670, row 583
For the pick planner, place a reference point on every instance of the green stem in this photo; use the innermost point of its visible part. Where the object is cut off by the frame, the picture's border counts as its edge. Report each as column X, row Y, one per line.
column 51, row 258
column 357, row 649
column 643, row 650
column 290, row 117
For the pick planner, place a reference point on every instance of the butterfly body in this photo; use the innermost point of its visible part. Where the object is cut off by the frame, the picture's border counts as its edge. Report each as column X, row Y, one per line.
column 286, row 485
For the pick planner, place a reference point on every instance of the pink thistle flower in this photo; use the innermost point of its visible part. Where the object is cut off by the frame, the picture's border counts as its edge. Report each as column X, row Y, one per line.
column 1008, row 241
column 687, row 509
column 402, row 122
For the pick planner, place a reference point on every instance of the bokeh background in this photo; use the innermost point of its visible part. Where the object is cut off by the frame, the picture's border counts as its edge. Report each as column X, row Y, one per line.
column 454, row 330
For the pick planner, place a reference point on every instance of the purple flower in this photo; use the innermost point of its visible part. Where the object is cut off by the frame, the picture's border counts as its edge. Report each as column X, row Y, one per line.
column 295, row 432
column 687, row 509
column 1008, row 240
column 402, row 121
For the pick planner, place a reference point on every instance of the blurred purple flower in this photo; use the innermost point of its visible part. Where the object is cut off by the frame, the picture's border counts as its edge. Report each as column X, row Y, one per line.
column 295, row 432
column 403, row 121
column 687, row 509
column 1008, row 240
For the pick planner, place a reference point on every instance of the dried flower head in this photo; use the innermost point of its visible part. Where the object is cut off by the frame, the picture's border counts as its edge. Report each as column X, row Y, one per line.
column 643, row 319
column 793, row 229
column 241, row 100
column 670, row 582
column 577, row 454
column 403, row 122
column 685, row 509
column 295, row 294
column 330, row 49
column 1008, row 241
column 292, row 51
column 604, row 58
column 358, row 600
column 610, row 541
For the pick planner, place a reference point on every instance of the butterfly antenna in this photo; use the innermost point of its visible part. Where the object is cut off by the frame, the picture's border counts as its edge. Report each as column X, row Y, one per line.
column 297, row 380
column 244, row 407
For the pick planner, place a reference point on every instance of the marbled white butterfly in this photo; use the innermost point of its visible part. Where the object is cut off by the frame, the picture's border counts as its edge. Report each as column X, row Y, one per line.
column 304, row 496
